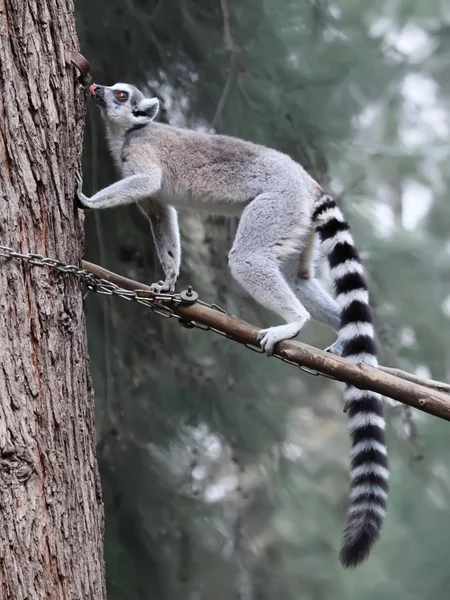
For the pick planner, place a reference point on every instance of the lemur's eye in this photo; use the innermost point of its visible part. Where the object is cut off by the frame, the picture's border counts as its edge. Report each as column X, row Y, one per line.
column 121, row 95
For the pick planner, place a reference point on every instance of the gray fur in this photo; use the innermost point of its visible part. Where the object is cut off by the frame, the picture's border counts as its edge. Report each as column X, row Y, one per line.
column 165, row 168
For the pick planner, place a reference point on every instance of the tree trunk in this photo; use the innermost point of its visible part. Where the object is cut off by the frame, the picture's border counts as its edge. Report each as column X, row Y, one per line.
column 51, row 512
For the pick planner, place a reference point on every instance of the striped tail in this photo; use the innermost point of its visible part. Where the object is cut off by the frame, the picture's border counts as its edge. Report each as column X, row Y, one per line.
column 369, row 468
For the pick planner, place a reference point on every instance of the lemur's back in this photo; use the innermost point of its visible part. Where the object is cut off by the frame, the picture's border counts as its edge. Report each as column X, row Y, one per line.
column 201, row 167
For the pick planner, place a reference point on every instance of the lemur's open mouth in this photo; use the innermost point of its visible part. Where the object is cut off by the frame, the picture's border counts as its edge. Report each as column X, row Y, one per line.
column 97, row 94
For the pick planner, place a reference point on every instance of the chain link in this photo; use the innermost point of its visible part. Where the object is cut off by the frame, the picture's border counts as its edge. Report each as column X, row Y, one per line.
column 151, row 299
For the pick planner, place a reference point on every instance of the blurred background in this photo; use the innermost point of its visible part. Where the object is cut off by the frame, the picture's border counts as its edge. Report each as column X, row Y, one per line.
column 225, row 474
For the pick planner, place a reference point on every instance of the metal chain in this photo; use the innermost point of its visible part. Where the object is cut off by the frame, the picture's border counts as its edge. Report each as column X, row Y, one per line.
column 151, row 299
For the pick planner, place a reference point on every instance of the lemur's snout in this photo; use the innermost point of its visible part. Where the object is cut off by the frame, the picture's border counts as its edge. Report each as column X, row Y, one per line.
column 98, row 94
column 97, row 91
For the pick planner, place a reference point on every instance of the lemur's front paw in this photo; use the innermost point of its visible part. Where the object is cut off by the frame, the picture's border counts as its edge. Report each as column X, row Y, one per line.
column 80, row 199
column 163, row 287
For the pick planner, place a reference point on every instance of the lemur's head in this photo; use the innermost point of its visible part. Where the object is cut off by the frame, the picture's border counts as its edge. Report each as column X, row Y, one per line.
column 124, row 105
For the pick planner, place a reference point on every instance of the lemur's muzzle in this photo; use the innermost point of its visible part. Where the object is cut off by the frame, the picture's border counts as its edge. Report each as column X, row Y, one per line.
column 97, row 94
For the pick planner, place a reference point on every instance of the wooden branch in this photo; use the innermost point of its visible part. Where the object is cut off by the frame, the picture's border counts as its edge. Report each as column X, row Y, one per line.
column 439, row 386
column 404, row 387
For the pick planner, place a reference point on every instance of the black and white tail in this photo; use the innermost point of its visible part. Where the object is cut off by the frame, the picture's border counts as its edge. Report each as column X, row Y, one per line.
column 369, row 468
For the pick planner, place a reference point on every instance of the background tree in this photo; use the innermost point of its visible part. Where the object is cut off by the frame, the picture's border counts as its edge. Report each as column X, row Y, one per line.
column 225, row 475
column 51, row 517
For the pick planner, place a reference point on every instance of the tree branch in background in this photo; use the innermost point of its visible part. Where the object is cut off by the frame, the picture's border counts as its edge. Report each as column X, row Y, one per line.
column 426, row 395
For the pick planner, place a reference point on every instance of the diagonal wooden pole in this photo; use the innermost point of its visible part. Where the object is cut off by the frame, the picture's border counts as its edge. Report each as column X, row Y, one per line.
column 426, row 395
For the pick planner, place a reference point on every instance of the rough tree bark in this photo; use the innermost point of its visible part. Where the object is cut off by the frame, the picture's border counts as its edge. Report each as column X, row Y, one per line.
column 51, row 513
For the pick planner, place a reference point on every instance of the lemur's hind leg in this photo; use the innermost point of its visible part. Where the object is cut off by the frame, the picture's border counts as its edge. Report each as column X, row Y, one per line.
column 312, row 293
column 261, row 245
column 317, row 301
column 307, row 264
column 322, row 306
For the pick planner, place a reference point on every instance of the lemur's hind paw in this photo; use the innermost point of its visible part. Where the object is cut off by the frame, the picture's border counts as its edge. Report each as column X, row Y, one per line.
column 335, row 348
column 268, row 338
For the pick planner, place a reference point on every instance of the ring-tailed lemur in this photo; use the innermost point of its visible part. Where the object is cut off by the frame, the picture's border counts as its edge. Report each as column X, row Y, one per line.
column 283, row 211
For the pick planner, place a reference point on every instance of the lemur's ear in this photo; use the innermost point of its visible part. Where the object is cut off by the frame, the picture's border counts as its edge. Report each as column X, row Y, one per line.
column 148, row 107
